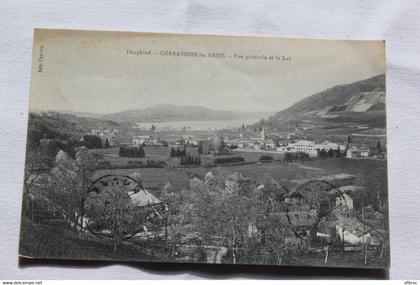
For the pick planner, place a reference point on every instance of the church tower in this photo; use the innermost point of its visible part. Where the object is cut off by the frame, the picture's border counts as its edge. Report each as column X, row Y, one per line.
column 263, row 134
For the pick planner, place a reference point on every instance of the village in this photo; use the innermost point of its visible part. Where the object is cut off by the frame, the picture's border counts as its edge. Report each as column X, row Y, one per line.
column 320, row 216
column 236, row 141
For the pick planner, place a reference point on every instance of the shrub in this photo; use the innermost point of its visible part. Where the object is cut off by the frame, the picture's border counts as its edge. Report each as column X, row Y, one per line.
column 190, row 160
column 233, row 159
column 131, row 151
column 293, row 156
column 266, row 158
column 92, row 141
column 176, row 152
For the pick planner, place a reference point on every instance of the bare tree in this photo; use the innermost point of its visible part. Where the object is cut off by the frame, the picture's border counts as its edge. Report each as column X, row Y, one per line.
column 71, row 179
column 113, row 212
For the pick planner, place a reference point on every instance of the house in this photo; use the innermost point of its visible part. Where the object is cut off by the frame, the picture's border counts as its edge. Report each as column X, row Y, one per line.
column 327, row 145
column 353, row 232
column 302, row 146
column 269, row 144
column 124, row 192
column 282, row 148
column 352, row 153
column 365, row 152
column 348, row 198
column 362, row 151
column 143, row 198
column 305, row 146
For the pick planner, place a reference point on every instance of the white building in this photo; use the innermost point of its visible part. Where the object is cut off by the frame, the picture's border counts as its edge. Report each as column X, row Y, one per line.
column 364, row 152
column 305, row 146
column 139, row 140
column 353, row 232
column 352, row 153
column 302, row 146
column 327, row 145
column 270, row 144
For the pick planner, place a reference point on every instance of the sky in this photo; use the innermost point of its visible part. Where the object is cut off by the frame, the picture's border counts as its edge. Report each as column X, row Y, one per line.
column 106, row 72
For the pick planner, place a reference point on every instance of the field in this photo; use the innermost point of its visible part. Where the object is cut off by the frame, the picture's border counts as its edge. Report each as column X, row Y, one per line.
column 161, row 153
column 250, row 156
column 155, row 178
column 58, row 242
column 339, row 259
column 158, row 153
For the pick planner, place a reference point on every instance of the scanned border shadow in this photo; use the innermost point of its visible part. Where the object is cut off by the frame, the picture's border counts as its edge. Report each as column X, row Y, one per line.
column 219, row 271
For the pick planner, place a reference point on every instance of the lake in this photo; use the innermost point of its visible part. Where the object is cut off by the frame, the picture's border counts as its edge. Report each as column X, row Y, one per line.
column 199, row 125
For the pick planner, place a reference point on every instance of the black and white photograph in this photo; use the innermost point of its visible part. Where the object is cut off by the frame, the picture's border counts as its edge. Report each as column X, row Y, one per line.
column 192, row 148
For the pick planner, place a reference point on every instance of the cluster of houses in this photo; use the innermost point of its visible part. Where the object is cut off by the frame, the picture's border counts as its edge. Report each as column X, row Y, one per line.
column 343, row 221
column 212, row 144
column 311, row 148
column 306, row 226
column 335, row 216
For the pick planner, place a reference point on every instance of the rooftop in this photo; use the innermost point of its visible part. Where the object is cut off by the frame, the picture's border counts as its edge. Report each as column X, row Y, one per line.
column 295, row 219
column 354, row 226
column 143, row 198
column 351, row 188
column 304, row 142
column 337, row 177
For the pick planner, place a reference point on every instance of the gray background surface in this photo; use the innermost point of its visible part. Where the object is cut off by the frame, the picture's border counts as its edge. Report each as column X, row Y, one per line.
column 395, row 21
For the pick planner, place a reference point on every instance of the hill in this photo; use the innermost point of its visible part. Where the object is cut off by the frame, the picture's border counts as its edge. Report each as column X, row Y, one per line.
column 358, row 107
column 167, row 113
column 361, row 96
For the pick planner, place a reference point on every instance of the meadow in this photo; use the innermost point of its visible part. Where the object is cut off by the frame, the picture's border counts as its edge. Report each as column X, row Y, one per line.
column 365, row 170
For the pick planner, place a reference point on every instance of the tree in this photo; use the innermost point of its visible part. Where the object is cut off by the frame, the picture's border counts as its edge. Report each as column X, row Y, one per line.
column 222, row 147
column 112, row 209
column 71, row 179
column 170, row 201
column 379, row 147
column 237, row 213
column 131, row 151
column 273, row 245
column 177, row 216
column 266, row 158
column 35, row 164
column 92, row 141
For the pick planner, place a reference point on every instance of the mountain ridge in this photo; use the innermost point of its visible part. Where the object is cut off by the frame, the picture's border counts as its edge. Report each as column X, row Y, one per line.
column 169, row 112
column 358, row 96
column 336, row 112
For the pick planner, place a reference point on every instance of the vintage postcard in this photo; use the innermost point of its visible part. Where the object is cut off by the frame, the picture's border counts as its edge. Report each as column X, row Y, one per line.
column 206, row 149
